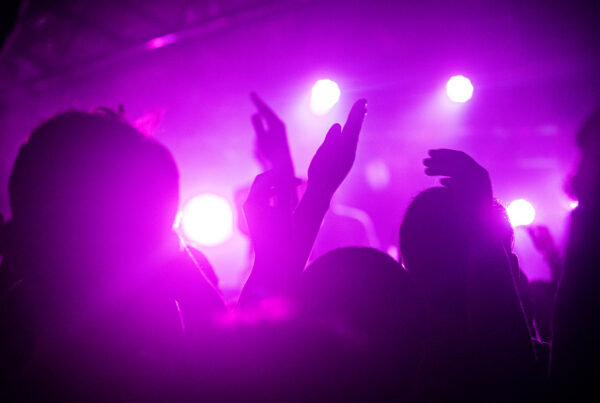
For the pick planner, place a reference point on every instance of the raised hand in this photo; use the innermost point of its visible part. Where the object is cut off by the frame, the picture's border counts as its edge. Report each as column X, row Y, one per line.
column 327, row 170
column 463, row 174
column 283, row 240
column 270, row 226
column 542, row 239
column 269, row 220
column 335, row 156
column 272, row 149
column 497, row 330
column 544, row 243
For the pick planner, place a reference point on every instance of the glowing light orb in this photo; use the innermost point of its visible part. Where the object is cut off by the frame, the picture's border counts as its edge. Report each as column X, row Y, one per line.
column 378, row 174
column 459, row 89
column 573, row 204
column 520, row 212
column 207, row 220
column 325, row 94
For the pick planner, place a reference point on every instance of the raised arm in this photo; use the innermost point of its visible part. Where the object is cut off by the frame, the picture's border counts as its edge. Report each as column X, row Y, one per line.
column 544, row 243
column 270, row 226
column 283, row 238
column 328, row 169
column 271, row 146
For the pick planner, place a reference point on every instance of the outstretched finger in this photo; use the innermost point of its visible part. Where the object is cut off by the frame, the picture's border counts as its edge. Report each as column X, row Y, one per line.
column 259, row 127
column 334, row 132
column 433, row 169
column 446, row 162
column 354, row 122
column 266, row 112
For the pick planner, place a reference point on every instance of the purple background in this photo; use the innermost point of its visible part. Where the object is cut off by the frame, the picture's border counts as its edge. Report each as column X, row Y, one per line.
column 534, row 67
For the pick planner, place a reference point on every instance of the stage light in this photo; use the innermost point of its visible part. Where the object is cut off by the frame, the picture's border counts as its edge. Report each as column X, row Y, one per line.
column 520, row 212
column 459, row 89
column 207, row 220
column 325, row 94
column 573, row 204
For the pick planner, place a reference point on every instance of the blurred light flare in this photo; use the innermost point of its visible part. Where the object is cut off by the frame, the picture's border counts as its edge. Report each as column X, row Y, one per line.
column 573, row 204
column 325, row 94
column 520, row 212
column 161, row 41
column 378, row 174
column 459, row 89
column 207, row 220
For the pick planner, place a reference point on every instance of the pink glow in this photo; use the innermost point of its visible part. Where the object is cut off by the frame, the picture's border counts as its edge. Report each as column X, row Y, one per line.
column 459, row 89
column 269, row 309
column 520, row 212
column 207, row 220
column 161, row 41
column 325, row 94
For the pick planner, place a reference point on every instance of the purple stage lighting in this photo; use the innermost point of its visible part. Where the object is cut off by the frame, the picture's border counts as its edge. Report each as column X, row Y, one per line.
column 459, row 89
column 378, row 174
column 520, row 212
column 207, row 220
column 325, row 94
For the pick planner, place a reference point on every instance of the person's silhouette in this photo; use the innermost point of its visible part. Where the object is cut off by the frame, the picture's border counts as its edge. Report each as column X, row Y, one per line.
column 576, row 327
column 477, row 341
column 369, row 300
column 282, row 236
column 100, row 280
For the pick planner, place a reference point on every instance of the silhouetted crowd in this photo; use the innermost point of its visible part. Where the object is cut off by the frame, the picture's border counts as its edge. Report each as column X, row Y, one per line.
column 101, row 300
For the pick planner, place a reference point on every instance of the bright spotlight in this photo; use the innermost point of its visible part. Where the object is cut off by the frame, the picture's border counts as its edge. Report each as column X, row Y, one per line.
column 459, row 89
column 207, row 220
column 520, row 212
column 325, row 94
column 573, row 204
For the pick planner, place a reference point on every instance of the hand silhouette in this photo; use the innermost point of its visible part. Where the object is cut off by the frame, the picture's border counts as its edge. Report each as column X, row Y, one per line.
column 464, row 175
column 542, row 239
column 270, row 225
column 335, row 156
column 268, row 215
column 544, row 243
column 283, row 240
column 272, row 149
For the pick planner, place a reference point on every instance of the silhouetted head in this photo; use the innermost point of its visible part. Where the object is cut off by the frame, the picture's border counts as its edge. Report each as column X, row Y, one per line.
column 432, row 240
column 585, row 182
column 588, row 136
column 501, row 226
column 366, row 297
column 88, row 187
